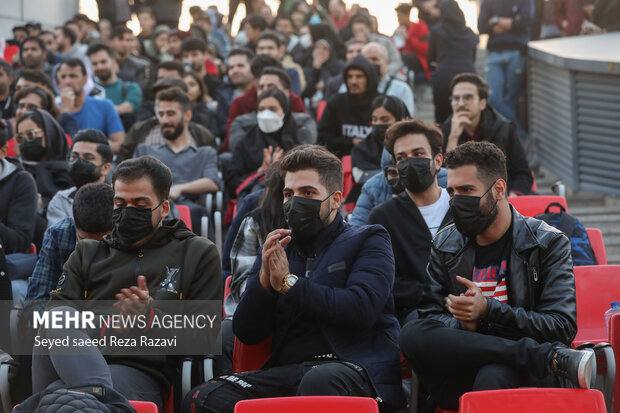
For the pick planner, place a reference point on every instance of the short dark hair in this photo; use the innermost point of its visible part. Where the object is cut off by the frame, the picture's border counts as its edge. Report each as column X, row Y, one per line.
column 241, row 51
column 481, row 85
column 19, row 28
column 98, row 47
column 278, row 95
column 176, row 95
column 82, row 17
column 285, row 16
column 171, row 65
column 70, row 33
column 414, row 126
column 37, row 40
column 316, row 157
column 4, row 135
column 256, row 21
column 361, row 18
column 6, row 67
column 270, row 35
column 168, row 83
column 146, row 9
column 146, row 166
column 282, row 75
column 120, row 31
column 98, row 137
column 72, row 62
column 33, row 75
column 93, row 207
column 193, row 43
column 260, row 62
column 46, row 96
column 488, row 159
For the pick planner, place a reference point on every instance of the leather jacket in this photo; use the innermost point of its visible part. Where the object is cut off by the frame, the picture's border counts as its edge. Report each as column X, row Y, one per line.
column 540, row 283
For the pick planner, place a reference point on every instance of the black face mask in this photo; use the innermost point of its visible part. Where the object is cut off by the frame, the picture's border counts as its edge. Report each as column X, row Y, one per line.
column 378, row 132
column 32, row 150
column 397, row 185
column 303, row 217
column 415, row 173
column 468, row 216
column 133, row 224
column 83, row 172
column 175, row 134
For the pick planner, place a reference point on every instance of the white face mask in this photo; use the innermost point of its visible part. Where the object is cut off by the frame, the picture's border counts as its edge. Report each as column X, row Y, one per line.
column 269, row 121
column 305, row 41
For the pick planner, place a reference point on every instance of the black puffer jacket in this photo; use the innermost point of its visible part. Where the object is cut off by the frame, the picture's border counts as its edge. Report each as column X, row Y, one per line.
column 85, row 399
column 497, row 129
column 540, row 283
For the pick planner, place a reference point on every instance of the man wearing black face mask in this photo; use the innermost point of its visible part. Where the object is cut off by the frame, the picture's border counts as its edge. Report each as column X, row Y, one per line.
column 498, row 310
column 322, row 290
column 413, row 217
column 90, row 161
column 143, row 262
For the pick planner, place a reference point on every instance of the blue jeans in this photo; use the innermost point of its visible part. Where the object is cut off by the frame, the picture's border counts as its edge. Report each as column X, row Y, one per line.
column 504, row 73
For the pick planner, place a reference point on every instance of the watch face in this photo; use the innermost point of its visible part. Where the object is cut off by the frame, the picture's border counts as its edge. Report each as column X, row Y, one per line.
column 291, row 280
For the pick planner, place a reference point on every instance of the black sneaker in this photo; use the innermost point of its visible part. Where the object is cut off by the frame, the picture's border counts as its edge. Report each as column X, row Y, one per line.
column 575, row 368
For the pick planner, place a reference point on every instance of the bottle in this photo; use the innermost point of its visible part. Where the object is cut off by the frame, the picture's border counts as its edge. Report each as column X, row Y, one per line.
column 615, row 308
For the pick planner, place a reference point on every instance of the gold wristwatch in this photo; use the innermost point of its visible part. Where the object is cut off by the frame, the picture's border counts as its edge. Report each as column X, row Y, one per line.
column 288, row 282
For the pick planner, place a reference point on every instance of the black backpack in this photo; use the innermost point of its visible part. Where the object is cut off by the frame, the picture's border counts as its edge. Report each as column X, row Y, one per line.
column 582, row 251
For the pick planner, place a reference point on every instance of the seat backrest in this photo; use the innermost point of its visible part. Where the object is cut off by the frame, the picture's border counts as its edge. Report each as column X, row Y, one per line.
column 32, row 249
column 250, row 358
column 306, row 404
column 614, row 339
column 347, row 173
column 320, row 108
column 596, row 287
column 226, row 292
column 185, row 215
column 533, row 400
column 532, row 205
column 598, row 246
column 144, row 407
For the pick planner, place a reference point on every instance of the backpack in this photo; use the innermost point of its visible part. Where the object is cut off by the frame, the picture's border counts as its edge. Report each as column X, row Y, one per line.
column 582, row 251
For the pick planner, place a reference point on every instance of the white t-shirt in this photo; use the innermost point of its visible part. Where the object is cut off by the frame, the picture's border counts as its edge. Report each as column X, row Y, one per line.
column 433, row 214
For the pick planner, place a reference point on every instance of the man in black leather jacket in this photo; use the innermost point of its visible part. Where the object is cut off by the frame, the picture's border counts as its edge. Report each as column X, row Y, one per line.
column 499, row 307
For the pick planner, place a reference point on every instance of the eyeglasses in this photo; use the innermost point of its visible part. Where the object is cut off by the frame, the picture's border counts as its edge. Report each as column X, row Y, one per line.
column 468, row 98
column 27, row 106
column 30, row 135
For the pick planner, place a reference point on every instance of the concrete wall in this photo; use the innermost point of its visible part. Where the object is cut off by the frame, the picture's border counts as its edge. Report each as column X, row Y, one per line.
column 49, row 12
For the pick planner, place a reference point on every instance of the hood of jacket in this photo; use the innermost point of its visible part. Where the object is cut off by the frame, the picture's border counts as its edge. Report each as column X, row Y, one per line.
column 386, row 159
column 363, row 64
column 9, row 166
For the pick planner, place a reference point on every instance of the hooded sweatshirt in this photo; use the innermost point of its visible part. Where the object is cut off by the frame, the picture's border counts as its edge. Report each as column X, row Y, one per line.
column 348, row 116
column 18, row 206
column 97, row 270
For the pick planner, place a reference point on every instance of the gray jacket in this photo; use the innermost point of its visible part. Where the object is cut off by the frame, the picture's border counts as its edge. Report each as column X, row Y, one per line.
column 61, row 206
column 242, row 124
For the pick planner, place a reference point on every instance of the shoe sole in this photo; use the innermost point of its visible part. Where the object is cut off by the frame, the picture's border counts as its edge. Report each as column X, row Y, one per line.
column 586, row 370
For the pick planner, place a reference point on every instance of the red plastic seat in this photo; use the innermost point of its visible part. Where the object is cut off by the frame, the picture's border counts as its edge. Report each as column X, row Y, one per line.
column 596, row 287
column 596, row 241
column 614, row 339
column 250, row 358
column 32, row 249
column 144, row 407
column 320, row 108
column 226, row 292
column 533, row 400
column 185, row 215
column 532, row 205
column 305, row 404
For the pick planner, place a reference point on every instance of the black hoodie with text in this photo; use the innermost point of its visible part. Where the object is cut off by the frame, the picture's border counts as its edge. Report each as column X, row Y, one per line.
column 347, row 115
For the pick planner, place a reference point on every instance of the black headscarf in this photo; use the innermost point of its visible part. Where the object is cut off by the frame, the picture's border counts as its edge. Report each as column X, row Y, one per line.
column 57, row 148
column 325, row 31
column 451, row 25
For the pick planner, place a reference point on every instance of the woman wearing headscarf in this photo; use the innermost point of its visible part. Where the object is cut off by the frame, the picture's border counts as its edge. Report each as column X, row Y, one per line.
column 324, row 66
column 451, row 50
column 44, row 152
column 276, row 132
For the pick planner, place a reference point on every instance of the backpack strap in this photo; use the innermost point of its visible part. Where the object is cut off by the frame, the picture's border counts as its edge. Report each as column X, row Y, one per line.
column 555, row 204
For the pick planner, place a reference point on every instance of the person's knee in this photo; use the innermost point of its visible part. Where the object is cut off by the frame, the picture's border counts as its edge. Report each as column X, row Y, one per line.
column 496, row 376
column 332, row 379
column 412, row 336
column 213, row 396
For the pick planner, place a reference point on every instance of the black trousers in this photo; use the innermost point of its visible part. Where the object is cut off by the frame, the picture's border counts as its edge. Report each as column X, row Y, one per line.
column 313, row 378
column 451, row 362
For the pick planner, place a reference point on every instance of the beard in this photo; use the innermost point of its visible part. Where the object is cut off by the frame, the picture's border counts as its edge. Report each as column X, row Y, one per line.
column 104, row 75
column 489, row 208
column 174, row 134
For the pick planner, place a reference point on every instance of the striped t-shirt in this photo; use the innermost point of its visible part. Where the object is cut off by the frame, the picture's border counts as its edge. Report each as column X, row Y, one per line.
column 491, row 267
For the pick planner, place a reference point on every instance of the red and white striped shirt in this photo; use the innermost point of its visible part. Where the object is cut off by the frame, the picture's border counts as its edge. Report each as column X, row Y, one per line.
column 491, row 280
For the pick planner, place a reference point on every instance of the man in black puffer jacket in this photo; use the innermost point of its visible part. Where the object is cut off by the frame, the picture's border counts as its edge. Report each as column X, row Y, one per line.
column 474, row 119
column 499, row 308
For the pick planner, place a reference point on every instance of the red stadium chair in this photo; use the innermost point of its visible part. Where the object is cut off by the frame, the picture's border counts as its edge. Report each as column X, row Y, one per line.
column 614, row 339
column 532, row 205
column 596, row 287
column 32, row 249
column 185, row 215
column 534, row 186
column 226, row 292
column 305, row 404
column 320, row 108
column 532, row 400
column 598, row 246
column 250, row 358
column 144, row 407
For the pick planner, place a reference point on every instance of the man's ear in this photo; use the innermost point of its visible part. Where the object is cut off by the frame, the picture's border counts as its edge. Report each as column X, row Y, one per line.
column 105, row 168
column 336, row 200
column 499, row 189
column 187, row 117
column 165, row 209
column 483, row 104
column 3, row 151
column 438, row 161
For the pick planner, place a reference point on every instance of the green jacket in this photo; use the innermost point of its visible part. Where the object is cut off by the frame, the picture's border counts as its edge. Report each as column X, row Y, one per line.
column 99, row 270
column 139, row 131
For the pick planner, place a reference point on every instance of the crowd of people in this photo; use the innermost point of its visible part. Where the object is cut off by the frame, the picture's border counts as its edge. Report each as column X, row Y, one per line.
column 105, row 134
